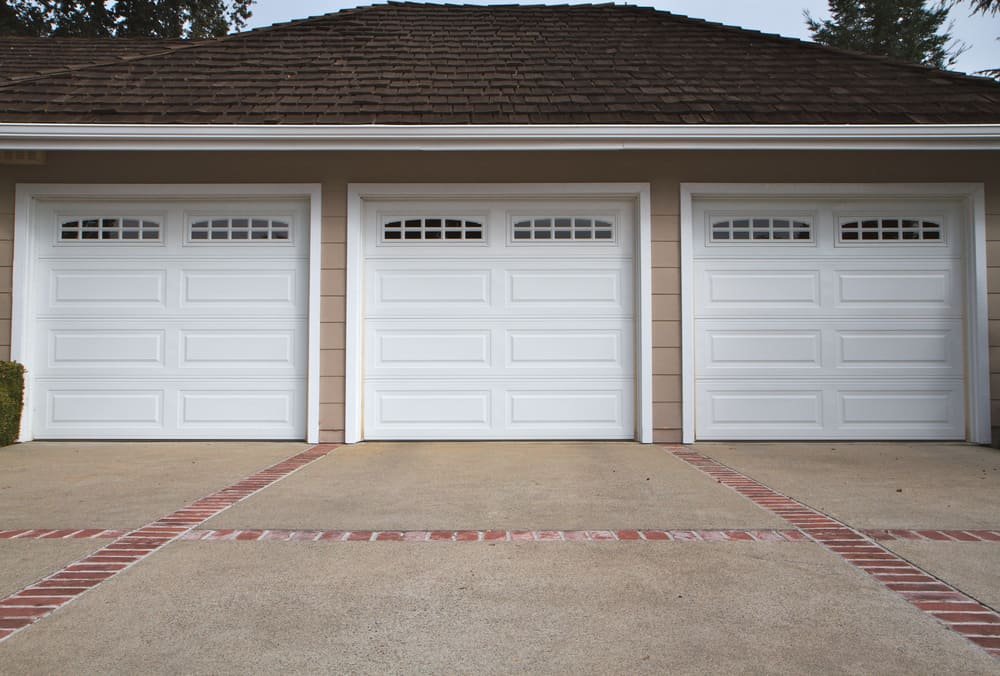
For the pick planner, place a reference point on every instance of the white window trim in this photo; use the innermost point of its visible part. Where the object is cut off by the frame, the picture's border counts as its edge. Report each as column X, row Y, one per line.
column 973, row 196
column 26, row 195
column 357, row 193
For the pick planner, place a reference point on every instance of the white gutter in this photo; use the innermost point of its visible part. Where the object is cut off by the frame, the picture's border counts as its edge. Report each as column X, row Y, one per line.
column 497, row 137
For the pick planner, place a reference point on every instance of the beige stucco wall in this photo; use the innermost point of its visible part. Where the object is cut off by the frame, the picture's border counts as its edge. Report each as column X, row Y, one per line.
column 663, row 170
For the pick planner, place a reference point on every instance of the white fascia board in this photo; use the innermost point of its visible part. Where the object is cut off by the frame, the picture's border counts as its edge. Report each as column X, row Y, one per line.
column 497, row 137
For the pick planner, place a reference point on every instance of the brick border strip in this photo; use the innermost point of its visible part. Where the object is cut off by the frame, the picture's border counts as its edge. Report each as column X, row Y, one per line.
column 61, row 534
column 934, row 535
column 31, row 604
column 646, row 535
column 958, row 611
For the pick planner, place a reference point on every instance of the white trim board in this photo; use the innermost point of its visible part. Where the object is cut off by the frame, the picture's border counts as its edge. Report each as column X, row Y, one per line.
column 357, row 193
column 976, row 314
column 17, row 136
column 27, row 193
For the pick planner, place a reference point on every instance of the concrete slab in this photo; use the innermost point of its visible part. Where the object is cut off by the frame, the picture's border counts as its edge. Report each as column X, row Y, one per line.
column 232, row 608
column 25, row 561
column 878, row 485
column 119, row 484
column 973, row 567
column 562, row 485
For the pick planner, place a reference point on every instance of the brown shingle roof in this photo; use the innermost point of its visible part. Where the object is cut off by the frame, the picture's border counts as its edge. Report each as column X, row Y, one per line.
column 26, row 57
column 459, row 64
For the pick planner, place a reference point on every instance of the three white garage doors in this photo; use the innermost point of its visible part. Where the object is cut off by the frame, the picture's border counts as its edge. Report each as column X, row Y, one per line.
column 500, row 318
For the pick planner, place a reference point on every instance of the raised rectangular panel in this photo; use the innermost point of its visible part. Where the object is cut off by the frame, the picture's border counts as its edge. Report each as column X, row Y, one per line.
column 565, row 286
column 765, row 408
column 423, row 408
column 439, row 349
column 209, row 408
column 564, row 348
column 223, row 286
column 428, row 287
column 92, row 407
column 889, row 288
column 97, row 348
column 888, row 407
column 763, row 348
column 564, row 407
column 899, row 348
column 237, row 348
column 756, row 288
column 111, row 288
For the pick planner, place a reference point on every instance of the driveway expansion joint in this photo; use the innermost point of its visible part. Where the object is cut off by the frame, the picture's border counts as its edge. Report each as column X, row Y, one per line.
column 958, row 611
column 42, row 598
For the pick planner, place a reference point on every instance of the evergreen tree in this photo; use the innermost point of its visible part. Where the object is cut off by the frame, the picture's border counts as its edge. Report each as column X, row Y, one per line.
column 908, row 30
column 124, row 18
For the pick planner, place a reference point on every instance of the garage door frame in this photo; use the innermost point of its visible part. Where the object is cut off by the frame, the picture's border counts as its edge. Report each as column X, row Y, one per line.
column 358, row 193
column 971, row 196
column 28, row 194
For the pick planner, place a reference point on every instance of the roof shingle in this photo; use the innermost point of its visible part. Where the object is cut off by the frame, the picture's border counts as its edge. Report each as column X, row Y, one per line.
column 414, row 63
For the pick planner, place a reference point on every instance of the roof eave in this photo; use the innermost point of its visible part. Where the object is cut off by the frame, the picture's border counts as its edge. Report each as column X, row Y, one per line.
column 48, row 136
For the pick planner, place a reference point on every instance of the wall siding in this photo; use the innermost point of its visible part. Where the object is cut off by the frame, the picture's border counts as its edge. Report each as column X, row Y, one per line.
column 663, row 170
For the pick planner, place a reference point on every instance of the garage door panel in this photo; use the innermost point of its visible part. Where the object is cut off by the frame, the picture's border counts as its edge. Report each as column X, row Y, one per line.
column 102, row 290
column 75, row 348
column 229, row 348
column 930, row 407
column 727, row 289
column 427, row 410
column 898, row 290
column 917, row 349
column 828, row 348
column 591, row 349
column 510, row 408
column 594, row 408
column 726, row 350
column 428, row 347
column 568, row 290
column 271, row 406
column 227, row 290
column 96, row 408
column 428, row 290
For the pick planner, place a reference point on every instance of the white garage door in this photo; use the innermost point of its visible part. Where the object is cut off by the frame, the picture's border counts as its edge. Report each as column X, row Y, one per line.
column 828, row 320
column 498, row 320
column 166, row 320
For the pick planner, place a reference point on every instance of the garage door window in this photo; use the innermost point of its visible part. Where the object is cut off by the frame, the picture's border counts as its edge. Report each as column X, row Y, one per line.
column 890, row 230
column 109, row 229
column 240, row 229
column 564, row 228
column 432, row 229
column 749, row 229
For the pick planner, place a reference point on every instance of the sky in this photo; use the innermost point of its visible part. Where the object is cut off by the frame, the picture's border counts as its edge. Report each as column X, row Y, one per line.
column 773, row 16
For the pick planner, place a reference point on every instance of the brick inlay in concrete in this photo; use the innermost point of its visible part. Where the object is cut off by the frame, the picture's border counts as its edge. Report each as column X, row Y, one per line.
column 271, row 535
column 976, row 621
column 44, row 597
column 61, row 534
column 934, row 535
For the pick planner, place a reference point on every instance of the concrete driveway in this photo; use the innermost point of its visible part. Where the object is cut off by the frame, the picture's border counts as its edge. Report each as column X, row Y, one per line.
column 499, row 558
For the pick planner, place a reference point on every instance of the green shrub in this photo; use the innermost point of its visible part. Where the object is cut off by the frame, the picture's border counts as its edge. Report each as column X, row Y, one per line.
column 11, row 401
